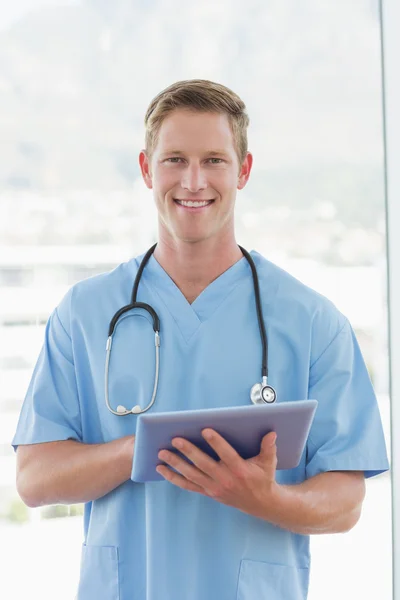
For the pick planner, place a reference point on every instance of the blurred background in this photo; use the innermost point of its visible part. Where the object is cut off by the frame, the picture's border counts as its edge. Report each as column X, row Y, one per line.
column 76, row 78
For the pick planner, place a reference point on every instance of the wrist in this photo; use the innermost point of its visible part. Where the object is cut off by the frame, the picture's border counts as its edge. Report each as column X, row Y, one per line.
column 126, row 453
column 274, row 504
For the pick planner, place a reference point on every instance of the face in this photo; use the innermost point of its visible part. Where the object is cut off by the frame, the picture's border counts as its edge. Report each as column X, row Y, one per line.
column 194, row 173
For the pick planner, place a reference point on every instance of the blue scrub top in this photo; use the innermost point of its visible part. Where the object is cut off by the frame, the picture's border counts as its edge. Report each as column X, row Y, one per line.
column 154, row 541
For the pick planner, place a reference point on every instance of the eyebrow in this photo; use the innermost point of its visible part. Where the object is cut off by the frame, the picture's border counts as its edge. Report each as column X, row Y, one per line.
column 209, row 153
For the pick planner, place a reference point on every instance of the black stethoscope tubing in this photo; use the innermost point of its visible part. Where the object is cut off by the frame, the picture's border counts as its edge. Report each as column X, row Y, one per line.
column 260, row 393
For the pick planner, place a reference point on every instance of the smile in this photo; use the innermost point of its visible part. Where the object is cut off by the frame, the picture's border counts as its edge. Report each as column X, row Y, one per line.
column 194, row 203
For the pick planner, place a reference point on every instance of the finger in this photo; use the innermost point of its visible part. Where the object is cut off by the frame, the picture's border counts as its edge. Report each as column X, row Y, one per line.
column 181, row 465
column 179, row 480
column 268, row 442
column 225, row 451
column 268, row 450
column 200, row 459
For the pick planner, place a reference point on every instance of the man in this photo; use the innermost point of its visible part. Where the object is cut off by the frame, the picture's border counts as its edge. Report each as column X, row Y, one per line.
column 214, row 530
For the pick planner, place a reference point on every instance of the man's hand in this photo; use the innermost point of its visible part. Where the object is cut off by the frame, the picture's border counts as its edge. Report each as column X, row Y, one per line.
column 329, row 502
column 248, row 485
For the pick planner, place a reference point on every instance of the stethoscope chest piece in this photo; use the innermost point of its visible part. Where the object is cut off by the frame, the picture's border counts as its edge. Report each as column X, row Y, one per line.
column 262, row 393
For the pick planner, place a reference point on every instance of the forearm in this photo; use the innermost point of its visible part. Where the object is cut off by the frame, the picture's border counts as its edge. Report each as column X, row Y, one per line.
column 69, row 472
column 327, row 503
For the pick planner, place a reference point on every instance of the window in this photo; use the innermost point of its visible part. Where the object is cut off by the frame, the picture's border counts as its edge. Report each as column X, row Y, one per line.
column 75, row 81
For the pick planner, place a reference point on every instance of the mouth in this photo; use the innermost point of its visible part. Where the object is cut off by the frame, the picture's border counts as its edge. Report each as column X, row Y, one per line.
column 193, row 205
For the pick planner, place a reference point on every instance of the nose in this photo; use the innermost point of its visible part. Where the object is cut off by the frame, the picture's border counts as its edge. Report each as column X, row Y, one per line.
column 194, row 179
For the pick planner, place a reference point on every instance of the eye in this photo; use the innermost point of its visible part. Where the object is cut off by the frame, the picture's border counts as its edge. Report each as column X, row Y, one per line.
column 173, row 159
column 219, row 161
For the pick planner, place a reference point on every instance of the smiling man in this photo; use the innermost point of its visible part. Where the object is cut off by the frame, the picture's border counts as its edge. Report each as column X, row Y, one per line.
column 195, row 170
column 231, row 529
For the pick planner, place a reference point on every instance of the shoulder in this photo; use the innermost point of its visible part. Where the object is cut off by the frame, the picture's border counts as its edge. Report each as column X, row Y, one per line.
column 88, row 295
column 297, row 304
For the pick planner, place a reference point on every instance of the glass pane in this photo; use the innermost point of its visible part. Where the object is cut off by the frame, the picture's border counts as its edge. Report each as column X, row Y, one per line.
column 75, row 80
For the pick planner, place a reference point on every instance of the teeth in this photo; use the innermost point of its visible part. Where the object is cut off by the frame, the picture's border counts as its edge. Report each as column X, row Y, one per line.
column 193, row 204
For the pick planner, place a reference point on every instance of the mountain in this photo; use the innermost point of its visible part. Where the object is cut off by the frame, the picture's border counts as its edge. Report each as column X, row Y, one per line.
column 76, row 79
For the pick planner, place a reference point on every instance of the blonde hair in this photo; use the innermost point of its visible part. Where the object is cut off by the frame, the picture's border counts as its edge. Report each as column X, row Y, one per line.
column 203, row 96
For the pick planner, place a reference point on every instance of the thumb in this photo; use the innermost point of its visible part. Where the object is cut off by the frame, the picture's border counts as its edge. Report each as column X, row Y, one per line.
column 268, row 442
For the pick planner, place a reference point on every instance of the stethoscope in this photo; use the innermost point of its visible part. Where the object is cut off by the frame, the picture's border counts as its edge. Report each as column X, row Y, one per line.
column 260, row 393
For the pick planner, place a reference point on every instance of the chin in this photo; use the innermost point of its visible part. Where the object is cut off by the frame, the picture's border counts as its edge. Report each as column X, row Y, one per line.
column 191, row 238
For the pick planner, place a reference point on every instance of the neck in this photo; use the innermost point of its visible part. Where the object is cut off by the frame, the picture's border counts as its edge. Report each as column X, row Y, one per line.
column 193, row 266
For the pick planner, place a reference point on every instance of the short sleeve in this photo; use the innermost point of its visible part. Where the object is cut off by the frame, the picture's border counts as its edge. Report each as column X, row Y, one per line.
column 347, row 433
column 50, row 411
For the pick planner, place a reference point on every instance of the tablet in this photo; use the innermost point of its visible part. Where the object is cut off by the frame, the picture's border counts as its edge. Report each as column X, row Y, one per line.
column 243, row 427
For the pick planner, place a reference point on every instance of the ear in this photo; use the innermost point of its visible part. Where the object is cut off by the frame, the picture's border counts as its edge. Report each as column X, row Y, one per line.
column 245, row 171
column 144, row 163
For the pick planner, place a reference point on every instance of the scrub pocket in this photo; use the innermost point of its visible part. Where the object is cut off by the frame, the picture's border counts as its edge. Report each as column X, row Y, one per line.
column 266, row 581
column 99, row 573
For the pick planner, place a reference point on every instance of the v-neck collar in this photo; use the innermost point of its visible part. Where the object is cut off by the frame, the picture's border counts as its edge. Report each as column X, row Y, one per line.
column 189, row 317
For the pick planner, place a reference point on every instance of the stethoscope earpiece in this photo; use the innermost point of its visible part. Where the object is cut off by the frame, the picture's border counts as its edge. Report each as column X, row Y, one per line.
column 121, row 410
